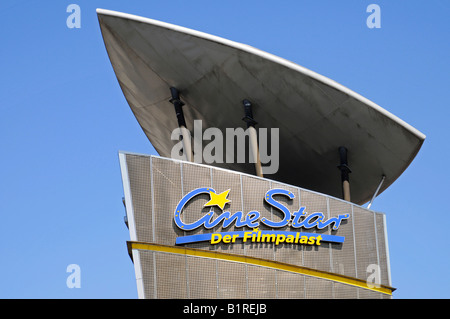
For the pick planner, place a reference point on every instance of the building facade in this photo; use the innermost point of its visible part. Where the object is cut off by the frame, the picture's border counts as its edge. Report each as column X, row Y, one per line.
column 198, row 231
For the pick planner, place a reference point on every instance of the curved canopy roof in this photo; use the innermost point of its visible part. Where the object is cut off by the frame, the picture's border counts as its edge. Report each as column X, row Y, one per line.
column 314, row 114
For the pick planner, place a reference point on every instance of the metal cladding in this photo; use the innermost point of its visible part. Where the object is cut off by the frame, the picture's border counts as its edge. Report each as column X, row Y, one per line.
column 319, row 247
column 215, row 231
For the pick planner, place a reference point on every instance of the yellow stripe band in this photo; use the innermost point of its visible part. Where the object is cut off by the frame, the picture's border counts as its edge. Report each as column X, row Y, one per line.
column 260, row 262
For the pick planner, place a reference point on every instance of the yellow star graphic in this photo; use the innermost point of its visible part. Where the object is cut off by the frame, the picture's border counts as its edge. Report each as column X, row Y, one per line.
column 218, row 199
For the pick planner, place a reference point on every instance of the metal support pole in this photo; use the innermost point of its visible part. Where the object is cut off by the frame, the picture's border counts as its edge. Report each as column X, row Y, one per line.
column 345, row 170
column 376, row 192
column 253, row 137
column 186, row 136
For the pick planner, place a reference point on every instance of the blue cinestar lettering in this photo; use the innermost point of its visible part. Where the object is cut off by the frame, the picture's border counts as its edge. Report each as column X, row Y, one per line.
column 252, row 218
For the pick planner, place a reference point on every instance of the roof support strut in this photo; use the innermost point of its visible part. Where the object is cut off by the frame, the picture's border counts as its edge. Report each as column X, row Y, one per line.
column 376, row 192
column 345, row 170
column 185, row 134
column 248, row 118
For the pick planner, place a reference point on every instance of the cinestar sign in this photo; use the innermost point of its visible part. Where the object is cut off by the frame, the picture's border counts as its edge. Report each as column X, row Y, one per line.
column 253, row 219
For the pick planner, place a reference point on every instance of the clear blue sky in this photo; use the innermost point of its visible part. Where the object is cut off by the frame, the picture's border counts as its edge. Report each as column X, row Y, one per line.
column 63, row 120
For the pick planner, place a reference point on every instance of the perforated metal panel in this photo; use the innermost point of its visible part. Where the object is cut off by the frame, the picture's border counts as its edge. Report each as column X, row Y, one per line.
column 166, row 181
column 154, row 187
column 140, row 188
column 343, row 260
column 290, row 286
